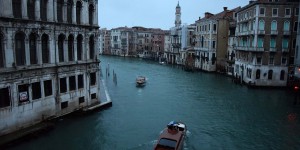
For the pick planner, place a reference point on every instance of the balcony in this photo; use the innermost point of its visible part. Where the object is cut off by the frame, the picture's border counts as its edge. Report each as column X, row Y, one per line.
column 285, row 49
column 261, row 32
column 286, row 33
column 273, row 49
column 246, row 48
column 274, row 32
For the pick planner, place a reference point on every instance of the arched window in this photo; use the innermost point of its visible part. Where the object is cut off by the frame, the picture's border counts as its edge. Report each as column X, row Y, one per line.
column 91, row 14
column 17, row 8
column 79, row 47
column 20, row 49
column 258, row 74
column 71, row 47
column 61, row 39
column 92, row 47
column 282, row 74
column 60, row 4
column 274, row 25
column 70, row 10
column 270, row 74
column 286, row 26
column 78, row 12
column 261, row 25
column 31, row 9
column 43, row 9
column 32, row 48
column 45, row 48
column 1, row 51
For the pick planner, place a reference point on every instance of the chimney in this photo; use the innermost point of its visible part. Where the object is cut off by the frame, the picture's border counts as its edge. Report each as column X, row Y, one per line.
column 225, row 8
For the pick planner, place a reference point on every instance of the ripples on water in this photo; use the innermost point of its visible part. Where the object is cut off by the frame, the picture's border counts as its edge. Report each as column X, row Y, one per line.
column 218, row 113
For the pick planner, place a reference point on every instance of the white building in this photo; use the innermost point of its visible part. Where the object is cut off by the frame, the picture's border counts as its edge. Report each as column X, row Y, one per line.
column 116, row 41
column 49, row 62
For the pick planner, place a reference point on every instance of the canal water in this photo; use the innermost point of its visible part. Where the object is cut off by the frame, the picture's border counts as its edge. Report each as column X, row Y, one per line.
column 219, row 114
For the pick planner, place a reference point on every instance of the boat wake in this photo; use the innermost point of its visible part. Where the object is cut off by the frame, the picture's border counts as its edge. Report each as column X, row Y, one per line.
column 144, row 146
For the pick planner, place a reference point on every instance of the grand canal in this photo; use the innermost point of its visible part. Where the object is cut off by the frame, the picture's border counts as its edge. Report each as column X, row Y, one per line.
column 219, row 114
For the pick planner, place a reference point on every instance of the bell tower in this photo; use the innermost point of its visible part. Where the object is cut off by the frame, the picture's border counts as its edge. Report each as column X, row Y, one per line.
column 178, row 16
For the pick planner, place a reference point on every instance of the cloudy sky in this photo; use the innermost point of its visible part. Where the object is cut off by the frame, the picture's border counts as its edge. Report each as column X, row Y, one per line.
column 157, row 13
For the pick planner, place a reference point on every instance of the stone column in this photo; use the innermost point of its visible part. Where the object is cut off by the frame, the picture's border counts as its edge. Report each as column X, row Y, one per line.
column 81, row 15
column 74, row 14
column 84, row 14
column 56, row 49
column 9, row 48
column 95, row 22
column 75, row 49
column 24, row 10
column 37, row 10
column 39, row 52
column 50, row 10
column 66, row 55
column 52, row 48
column 64, row 7
column 6, row 8
column 54, row 11
column 27, row 53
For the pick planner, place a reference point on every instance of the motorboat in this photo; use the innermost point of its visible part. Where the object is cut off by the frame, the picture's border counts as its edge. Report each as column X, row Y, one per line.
column 140, row 81
column 172, row 137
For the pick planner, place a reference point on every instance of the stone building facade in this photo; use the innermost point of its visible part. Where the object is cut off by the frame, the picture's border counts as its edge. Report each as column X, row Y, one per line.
column 212, row 39
column 266, row 38
column 49, row 62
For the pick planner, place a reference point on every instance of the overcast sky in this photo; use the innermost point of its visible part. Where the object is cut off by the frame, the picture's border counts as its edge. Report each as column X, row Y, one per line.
column 158, row 13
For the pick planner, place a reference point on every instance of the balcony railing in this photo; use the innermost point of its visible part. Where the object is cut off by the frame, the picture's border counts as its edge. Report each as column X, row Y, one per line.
column 286, row 33
column 246, row 48
column 285, row 49
column 274, row 32
column 273, row 49
column 261, row 32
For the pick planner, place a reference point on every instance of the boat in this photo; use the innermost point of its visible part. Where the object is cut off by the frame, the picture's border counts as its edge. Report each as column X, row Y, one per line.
column 140, row 81
column 172, row 137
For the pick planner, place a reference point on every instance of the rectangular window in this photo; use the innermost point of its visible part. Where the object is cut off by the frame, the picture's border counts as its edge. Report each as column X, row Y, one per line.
column 275, row 12
column 4, row 97
column 72, row 83
column 214, row 44
column 287, row 12
column 271, row 60
column 273, row 42
column 80, row 82
column 64, row 105
column 93, row 96
column 283, row 60
column 215, row 27
column 258, row 60
column 93, row 78
column 48, row 87
column 36, row 90
column 63, row 85
column 262, row 11
column 81, row 100
column 260, row 42
column 296, row 26
column 296, row 11
column 285, row 43
column 23, row 93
